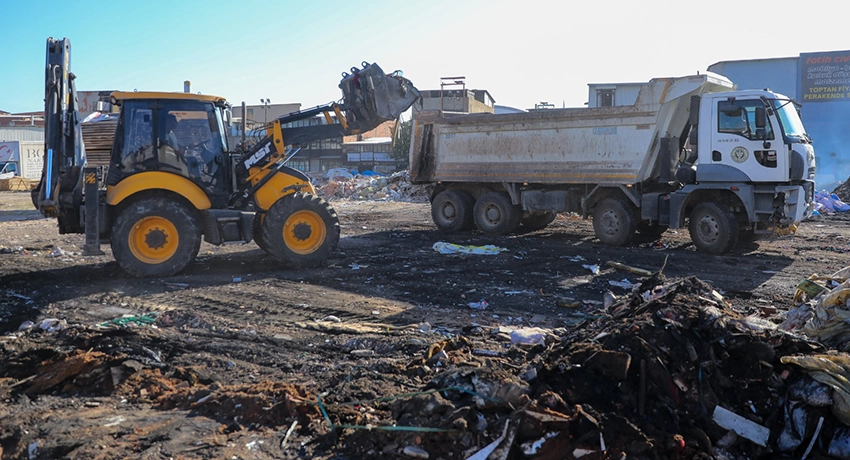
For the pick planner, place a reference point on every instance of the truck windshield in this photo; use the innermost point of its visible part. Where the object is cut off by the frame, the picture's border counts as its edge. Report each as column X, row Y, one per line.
column 792, row 126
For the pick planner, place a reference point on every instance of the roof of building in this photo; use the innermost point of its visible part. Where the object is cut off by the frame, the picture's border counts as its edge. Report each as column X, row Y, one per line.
column 371, row 141
column 755, row 60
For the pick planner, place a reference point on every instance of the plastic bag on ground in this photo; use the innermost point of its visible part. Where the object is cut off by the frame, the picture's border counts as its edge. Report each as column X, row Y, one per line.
column 451, row 248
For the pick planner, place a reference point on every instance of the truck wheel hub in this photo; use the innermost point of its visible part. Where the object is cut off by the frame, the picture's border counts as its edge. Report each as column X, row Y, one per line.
column 610, row 223
column 708, row 229
column 493, row 214
column 449, row 211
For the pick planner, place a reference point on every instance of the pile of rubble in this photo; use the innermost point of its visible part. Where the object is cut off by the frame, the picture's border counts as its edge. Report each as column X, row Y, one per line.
column 341, row 184
column 843, row 191
column 674, row 370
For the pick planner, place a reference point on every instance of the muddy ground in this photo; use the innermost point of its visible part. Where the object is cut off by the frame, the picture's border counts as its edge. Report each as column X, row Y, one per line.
column 223, row 359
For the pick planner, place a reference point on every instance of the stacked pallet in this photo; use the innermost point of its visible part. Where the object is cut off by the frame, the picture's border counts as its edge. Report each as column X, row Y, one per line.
column 98, row 137
column 18, row 184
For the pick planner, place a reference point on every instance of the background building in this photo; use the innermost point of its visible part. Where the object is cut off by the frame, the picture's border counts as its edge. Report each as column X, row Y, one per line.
column 457, row 100
column 262, row 114
column 371, row 154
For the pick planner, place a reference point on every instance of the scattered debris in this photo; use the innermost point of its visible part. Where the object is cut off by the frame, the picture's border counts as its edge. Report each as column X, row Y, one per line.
column 451, row 248
column 341, row 184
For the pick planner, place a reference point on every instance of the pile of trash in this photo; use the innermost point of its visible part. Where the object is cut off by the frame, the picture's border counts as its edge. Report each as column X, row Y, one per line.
column 843, row 191
column 342, row 184
column 828, row 203
column 675, row 370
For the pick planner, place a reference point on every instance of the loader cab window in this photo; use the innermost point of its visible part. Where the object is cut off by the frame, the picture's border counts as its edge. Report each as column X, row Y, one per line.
column 190, row 141
column 134, row 141
column 739, row 118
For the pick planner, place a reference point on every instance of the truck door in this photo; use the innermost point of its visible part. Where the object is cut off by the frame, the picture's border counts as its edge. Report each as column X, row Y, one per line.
column 739, row 142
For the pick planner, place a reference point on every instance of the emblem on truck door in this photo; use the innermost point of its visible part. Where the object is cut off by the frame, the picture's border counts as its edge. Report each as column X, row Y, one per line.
column 739, row 154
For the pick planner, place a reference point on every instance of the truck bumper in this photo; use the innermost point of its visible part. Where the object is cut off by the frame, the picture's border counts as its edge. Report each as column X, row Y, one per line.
column 797, row 205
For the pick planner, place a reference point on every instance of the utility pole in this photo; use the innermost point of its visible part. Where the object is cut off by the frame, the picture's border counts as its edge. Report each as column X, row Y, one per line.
column 266, row 104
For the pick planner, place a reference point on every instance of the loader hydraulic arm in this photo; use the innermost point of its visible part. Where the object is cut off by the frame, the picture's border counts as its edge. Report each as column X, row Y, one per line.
column 59, row 193
column 370, row 98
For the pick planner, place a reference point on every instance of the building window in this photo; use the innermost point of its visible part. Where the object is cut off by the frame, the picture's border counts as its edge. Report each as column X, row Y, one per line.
column 301, row 165
column 605, row 98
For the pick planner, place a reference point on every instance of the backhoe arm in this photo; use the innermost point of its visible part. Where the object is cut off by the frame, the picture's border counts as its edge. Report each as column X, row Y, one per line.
column 370, row 98
column 59, row 193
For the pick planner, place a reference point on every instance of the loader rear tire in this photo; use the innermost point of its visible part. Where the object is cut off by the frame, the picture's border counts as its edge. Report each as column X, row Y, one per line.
column 300, row 230
column 614, row 221
column 156, row 237
column 451, row 210
column 495, row 214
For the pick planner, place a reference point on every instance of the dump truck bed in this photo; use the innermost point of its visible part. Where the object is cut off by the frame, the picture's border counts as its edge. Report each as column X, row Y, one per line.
column 606, row 145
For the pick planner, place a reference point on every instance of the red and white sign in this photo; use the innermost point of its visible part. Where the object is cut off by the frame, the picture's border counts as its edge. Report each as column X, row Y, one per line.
column 9, row 151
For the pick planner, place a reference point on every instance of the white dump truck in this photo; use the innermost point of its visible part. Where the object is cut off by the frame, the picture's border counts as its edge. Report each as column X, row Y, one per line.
column 691, row 151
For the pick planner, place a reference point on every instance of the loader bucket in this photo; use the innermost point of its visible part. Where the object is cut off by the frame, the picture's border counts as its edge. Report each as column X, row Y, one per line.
column 371, row 97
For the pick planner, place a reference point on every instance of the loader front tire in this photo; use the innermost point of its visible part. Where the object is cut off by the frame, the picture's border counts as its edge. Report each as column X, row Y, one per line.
column 300, row 230
column 258, row 232
column 156, row 237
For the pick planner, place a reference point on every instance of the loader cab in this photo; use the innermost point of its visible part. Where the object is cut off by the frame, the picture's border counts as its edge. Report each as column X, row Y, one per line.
column 177, row 133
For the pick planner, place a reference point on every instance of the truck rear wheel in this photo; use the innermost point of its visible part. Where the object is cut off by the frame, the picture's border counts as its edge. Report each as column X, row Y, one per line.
column 613, row 221
column 155, row 237
column 538, row 220
column 713, row 228
column 494, row 214
column 300, row 230
column 451, row 210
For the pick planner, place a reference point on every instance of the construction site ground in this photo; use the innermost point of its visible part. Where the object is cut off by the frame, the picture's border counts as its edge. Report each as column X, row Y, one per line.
column 237, row 357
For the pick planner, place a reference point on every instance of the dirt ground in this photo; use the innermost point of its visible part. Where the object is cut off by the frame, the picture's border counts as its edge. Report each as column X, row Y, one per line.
column 379, row 354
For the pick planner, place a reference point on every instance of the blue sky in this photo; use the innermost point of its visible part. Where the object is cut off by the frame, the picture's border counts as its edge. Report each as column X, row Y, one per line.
column 522, row 52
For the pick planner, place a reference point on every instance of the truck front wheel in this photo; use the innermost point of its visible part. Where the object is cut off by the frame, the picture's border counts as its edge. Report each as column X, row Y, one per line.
column 613, row 221
column 155, row 237
column 495, row 214
column 713, row 228
column 300, row 230
column 451, row 210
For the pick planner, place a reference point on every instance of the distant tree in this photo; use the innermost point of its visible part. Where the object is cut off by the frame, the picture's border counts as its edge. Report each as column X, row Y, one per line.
column 401, row 142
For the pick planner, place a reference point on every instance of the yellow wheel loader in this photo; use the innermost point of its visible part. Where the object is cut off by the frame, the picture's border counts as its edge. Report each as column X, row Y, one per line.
column 172, row 179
